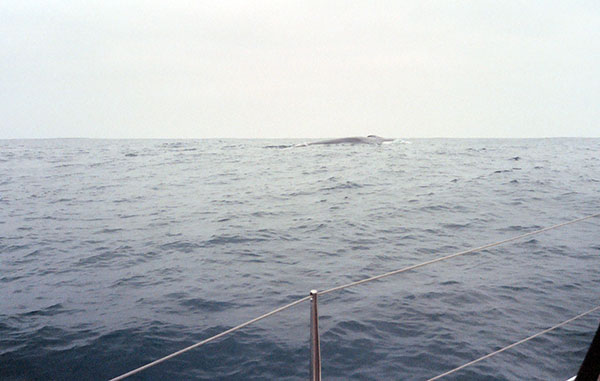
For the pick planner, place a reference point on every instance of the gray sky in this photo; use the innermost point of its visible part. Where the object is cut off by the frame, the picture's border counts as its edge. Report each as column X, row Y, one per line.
column 253, row 69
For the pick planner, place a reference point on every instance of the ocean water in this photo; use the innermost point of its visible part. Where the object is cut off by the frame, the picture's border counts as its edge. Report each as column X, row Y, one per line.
column 114, row 253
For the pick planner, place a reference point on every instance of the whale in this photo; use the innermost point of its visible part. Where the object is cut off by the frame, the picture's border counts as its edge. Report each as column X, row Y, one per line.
column 371, row 139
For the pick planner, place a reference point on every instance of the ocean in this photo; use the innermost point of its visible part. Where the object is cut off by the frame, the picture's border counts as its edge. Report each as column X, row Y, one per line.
column 114, row 253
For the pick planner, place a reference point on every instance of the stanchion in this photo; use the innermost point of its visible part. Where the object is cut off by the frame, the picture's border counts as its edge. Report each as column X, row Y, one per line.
column 315, row 347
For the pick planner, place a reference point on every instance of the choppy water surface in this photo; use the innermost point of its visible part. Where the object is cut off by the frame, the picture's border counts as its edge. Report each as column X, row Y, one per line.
column 115, row 253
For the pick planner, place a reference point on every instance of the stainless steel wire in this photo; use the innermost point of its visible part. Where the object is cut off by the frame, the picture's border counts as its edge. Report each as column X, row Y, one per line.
column 377, row 277
column 513, row 344
column 237, row 327
column 351, row 284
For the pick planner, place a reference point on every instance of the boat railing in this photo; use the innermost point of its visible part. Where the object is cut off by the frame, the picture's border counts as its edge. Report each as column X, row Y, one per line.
column 315, row 358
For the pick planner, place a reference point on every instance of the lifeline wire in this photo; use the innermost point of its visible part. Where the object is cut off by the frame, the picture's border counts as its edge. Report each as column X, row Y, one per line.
column 454, row 255
column 513, row 345
column 130, row 373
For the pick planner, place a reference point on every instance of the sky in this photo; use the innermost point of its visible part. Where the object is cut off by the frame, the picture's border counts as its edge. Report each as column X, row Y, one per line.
column 299, row 69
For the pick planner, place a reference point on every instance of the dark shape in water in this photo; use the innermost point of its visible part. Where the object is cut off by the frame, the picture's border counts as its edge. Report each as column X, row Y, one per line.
column 371, row 139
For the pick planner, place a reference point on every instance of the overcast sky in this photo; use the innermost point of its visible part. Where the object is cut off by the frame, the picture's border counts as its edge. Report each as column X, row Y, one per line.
column 254, row 69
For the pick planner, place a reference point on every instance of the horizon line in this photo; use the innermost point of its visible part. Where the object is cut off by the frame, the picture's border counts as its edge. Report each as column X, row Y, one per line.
column 284, row 138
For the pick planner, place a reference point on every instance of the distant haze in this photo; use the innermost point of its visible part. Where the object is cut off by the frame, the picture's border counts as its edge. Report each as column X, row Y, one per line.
column 268, row 69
